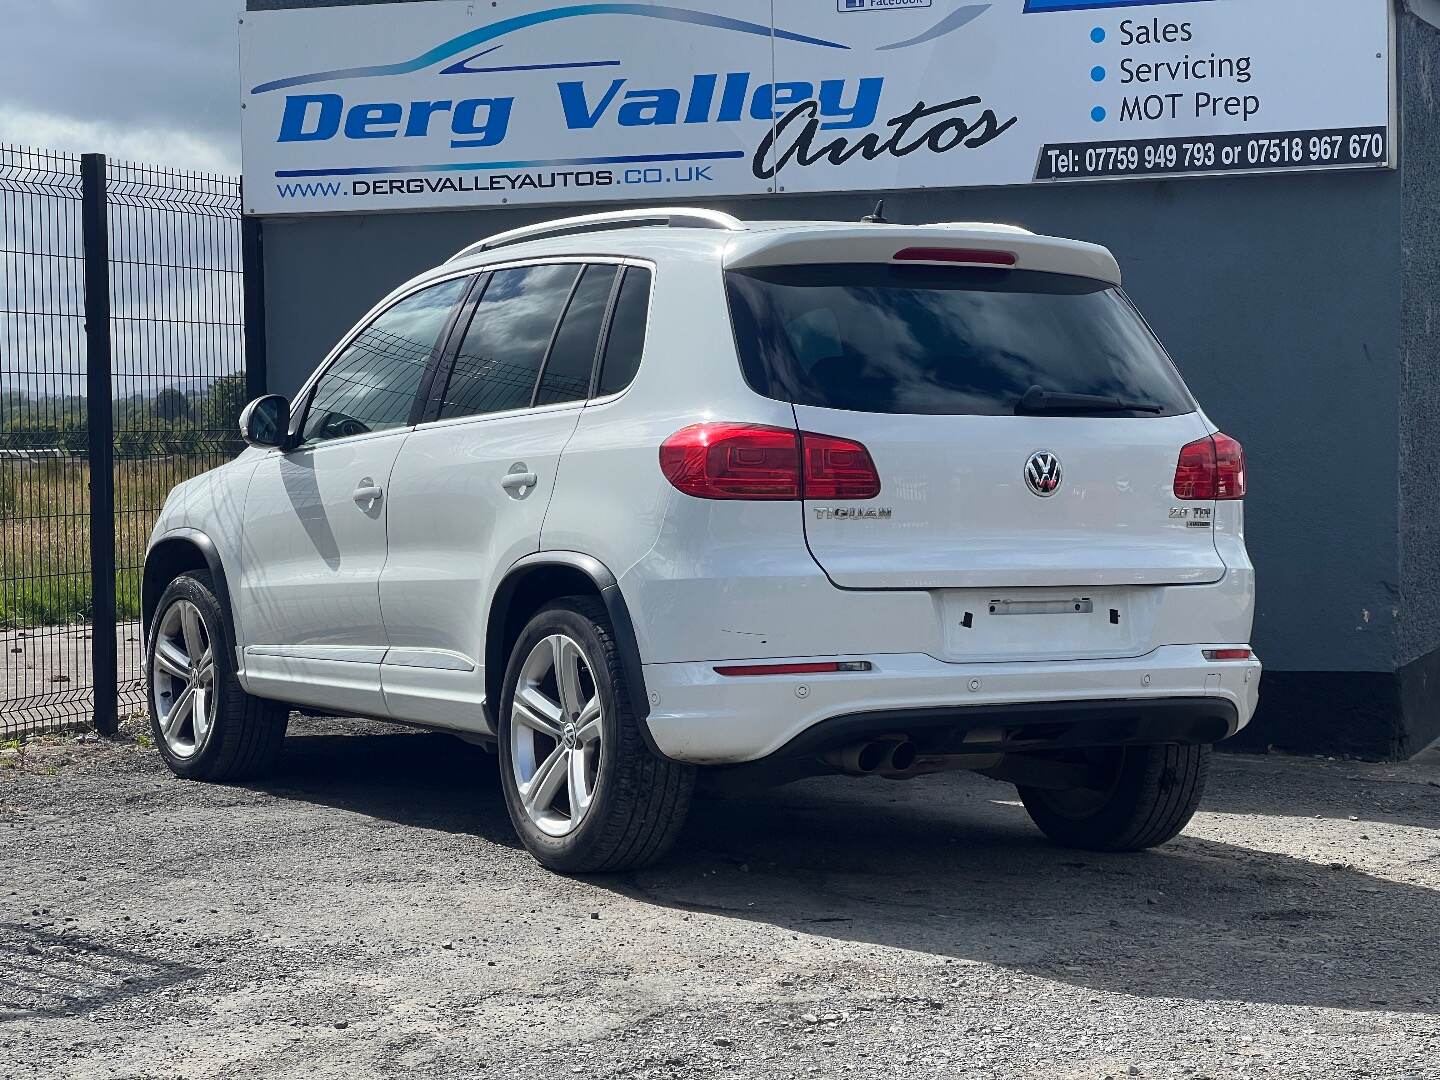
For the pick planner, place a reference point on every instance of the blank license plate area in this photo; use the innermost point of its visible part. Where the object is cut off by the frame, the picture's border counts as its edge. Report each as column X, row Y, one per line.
column 1078, row 605
column 1021, row 624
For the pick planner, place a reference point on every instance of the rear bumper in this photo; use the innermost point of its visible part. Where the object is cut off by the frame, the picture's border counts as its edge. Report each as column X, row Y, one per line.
column 1010, row 729
column 1172, row 694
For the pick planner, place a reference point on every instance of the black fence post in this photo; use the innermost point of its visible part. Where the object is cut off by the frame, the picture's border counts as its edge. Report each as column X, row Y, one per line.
column 100, row 423
column 252, row 261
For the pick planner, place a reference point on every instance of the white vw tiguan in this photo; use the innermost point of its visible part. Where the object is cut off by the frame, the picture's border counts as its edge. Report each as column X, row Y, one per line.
column 643, row 494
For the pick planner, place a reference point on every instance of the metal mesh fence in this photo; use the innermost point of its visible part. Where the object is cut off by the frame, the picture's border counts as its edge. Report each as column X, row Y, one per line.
column 44, row 475
column 176, row 346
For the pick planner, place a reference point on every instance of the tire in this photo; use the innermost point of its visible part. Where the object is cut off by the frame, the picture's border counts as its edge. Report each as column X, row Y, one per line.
column 1152, row 794
column 241, row 738
column 631, row 802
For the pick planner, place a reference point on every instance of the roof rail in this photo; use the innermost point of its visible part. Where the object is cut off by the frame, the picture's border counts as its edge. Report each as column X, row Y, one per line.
column 673, row 217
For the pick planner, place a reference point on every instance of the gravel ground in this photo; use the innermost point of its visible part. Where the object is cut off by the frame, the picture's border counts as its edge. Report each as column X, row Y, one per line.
column 368, row 913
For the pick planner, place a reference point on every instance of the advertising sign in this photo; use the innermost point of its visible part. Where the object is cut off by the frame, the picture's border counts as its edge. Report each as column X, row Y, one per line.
column 455, row 103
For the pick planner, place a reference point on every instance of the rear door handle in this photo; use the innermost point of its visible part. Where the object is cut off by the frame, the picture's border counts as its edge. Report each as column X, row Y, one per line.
column 368, row 494
column 519, row 481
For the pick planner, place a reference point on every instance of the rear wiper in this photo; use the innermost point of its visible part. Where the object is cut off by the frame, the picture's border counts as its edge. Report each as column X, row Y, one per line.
column 1040, row 400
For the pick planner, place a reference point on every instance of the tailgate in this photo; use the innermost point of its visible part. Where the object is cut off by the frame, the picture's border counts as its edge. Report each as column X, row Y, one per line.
column 956, row 509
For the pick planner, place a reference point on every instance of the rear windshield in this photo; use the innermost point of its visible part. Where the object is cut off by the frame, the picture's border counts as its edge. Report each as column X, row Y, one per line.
column 912, row 339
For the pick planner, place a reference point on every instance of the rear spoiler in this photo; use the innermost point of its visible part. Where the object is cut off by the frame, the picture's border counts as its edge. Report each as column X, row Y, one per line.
column 940, row 245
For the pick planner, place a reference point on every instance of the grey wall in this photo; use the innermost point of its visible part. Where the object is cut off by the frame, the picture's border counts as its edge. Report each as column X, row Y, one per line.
column 1304, row 311
column 1420, row 342
column 1277, row 296
column 1418, row 647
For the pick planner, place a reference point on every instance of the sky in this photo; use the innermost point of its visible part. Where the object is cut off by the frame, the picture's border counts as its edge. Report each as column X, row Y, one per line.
column 154, row 81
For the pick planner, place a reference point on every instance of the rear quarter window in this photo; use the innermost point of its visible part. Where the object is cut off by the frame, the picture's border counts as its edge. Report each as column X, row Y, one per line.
column 571, row 363
column 626, row 342
column 909, row 339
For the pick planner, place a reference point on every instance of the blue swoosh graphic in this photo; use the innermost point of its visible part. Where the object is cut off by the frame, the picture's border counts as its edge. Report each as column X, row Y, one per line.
column 948, row 25
column 461, row 69
column 1040, row 7
column 447, row 49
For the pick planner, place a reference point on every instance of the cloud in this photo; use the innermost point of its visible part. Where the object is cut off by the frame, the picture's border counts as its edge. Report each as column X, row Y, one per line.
column 149, row 80
column 182, row 149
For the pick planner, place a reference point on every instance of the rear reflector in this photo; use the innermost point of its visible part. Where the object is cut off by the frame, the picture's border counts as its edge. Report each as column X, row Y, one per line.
column 965, row 256
column 1227, row 654
column 819, row 668
column 753, row 461
column 1210, row 469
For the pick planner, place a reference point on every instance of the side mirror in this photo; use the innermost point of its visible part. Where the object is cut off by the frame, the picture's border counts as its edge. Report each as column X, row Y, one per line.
column 266, row 421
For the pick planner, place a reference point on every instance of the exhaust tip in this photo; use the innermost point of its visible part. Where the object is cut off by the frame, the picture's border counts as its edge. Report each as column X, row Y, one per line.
column 888, row 755
column 902, row 756
column 871, row 756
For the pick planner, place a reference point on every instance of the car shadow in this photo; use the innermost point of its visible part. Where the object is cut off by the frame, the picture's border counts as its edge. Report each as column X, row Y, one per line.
column 950, row 866
column 427, row 780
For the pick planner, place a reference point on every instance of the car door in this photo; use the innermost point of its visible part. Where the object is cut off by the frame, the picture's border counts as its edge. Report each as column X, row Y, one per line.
column 314, row 534
column 472, row 485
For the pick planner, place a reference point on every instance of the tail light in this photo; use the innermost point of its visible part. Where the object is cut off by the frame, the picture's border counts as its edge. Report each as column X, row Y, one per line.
column 752, row 461
column 837, row 468
column 733, row 461
column 965, row 256
column 1210, row 469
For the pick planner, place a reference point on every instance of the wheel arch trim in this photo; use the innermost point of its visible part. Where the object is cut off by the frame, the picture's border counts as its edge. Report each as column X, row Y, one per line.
column 152, row 586
column 622, row 626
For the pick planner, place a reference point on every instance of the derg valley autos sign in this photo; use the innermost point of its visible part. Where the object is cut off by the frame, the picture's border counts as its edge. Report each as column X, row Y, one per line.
column 464, row 102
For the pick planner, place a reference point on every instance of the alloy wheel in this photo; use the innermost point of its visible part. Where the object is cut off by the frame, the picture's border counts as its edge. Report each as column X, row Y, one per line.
column 184, row 680
column 556, row 735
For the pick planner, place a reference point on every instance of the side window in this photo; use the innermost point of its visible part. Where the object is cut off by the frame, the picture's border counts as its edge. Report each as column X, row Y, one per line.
column 371, row 386
column 500, row 358
column 572, row 360
column 627, row 332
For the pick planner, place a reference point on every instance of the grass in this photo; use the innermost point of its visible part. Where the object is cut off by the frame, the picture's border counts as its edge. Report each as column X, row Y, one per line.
column 45, row 533
column 12, row 753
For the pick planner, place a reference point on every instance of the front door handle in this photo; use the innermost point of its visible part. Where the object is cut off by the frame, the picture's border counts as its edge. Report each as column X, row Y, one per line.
column 519, row 482
column 368, row 494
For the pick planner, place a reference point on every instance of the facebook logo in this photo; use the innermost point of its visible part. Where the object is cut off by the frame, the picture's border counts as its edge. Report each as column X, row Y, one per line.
column 880, row 5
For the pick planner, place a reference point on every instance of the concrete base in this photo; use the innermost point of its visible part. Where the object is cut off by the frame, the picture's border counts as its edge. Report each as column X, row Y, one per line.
column 1376, row 715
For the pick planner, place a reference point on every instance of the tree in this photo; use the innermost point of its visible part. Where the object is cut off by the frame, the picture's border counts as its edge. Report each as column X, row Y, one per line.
column 75, row 439
column 224, row 403
column 192, row 442
column 223, row 406
column 171, row 405
column 133, row 444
